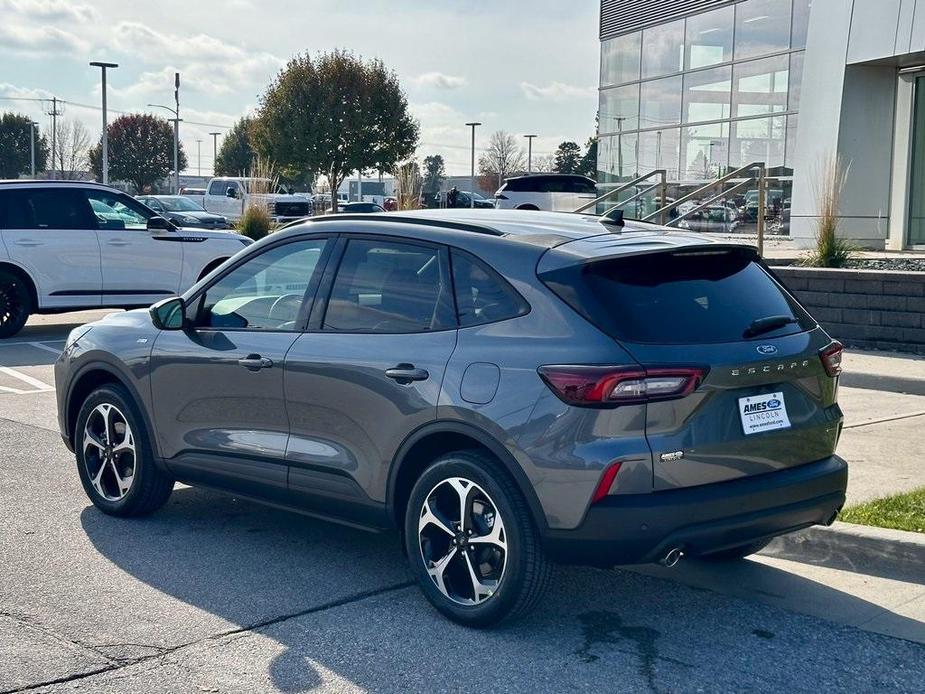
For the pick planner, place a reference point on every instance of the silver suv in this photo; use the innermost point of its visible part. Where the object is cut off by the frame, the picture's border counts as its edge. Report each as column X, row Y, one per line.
column 507, row 389
column 67, row 245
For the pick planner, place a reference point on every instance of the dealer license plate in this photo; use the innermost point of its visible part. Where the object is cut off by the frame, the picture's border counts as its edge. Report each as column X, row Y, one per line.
column 763, row 413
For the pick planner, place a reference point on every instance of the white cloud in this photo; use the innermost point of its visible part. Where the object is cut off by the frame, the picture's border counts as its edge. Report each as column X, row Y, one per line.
column 556, row 91
column 52, row 10
column 41, row 40
column 439, row 80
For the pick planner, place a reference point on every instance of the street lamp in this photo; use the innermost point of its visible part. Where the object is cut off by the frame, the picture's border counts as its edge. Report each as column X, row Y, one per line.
column 32, row 125
column 198, row 157
column 102, row 66
column 214, row 150
column 472, row 172
column 529, row 153
column 176, row 143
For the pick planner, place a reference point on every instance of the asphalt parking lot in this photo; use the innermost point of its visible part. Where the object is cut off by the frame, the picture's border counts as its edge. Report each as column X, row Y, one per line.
column 216, row 594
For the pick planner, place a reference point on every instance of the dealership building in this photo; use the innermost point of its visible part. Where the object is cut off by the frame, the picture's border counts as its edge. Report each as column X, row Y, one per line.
column 702, row 87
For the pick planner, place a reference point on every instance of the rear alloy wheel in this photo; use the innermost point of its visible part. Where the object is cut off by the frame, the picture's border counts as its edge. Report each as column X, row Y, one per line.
column 114, row 458
column 15, row 304
column 472, row 543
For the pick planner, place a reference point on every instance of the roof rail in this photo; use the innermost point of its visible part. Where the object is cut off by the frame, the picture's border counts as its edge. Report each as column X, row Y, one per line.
column 394, row 217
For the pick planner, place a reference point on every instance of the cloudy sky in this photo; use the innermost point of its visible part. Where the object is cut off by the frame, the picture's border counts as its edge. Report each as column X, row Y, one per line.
column 521, row 66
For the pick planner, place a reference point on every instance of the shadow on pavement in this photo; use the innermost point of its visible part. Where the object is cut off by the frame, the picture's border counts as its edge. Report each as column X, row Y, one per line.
column 255, row 566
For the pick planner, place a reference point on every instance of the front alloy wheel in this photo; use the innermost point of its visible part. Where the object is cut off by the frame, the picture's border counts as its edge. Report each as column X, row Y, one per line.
column 109, row 452
column 462, row 541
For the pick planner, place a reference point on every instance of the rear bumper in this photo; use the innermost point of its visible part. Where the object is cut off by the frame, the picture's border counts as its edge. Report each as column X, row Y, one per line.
column 641, row 528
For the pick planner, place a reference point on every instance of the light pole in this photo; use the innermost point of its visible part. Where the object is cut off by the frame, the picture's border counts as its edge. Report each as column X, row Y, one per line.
column 176, row 144
column 102, row 66
column 32, row 125
column 214, row 150
column 198, row 157
column 472, row 171
column 620, row 120
column 529, row 153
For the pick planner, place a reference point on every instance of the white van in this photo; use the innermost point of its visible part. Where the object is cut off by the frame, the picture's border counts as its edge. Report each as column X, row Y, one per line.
column 551, row 192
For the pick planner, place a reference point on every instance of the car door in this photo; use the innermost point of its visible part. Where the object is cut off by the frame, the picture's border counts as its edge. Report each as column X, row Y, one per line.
column 139, row 266
column 217, row 385
column 49, row 232
column 367, row 373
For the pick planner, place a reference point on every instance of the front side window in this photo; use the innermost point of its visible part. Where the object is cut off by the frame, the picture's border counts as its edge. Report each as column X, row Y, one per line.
column 482, row 295
column 218, row 187
column 266, row 292
column 44, row 208
column 117, row 211
column 389, row 287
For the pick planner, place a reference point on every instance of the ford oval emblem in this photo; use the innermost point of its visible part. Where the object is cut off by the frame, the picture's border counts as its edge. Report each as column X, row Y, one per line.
column 766, row 349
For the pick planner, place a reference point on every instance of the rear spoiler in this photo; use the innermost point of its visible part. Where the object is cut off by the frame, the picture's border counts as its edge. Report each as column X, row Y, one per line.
column 600, row 248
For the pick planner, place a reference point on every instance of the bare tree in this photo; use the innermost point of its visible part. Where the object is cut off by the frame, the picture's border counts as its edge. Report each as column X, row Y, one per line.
column 503, row 158
column 544, row 163
column 72, row 150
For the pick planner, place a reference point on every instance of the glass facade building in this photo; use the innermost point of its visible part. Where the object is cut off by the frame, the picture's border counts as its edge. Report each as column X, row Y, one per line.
column 704, row 94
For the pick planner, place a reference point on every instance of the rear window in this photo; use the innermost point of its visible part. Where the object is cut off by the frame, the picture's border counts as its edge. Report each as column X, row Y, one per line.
column 677, row 298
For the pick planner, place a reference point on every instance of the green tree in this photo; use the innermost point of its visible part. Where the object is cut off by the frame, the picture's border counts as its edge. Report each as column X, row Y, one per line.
column 333, row 114
column 140, row 151
column 568, row 158
column 236, row 155
column 434, row 174
column 15, row 159
column 588, row 166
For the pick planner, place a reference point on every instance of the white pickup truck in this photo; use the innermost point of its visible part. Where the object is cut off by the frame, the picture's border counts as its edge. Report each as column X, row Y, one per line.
column 230, row 196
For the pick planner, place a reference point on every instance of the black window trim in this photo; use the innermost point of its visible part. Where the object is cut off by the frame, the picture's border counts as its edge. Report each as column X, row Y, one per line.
column 309, row 299
column 320, row 309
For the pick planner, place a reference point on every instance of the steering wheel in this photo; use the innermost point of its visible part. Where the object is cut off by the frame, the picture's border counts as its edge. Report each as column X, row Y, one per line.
column 291, row 301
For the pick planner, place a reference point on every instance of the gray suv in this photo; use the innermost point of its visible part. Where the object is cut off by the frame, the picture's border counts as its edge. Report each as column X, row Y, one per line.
column 507, row 388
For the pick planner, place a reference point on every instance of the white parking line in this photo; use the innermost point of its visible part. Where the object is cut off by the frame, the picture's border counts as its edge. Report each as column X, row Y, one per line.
column 39, row 345
column 33, row 343
column 39, row 386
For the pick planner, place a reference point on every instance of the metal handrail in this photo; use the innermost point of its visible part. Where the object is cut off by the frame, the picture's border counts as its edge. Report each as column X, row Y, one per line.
column 631, row 198
column 661, row 173
column 709, row 186
column 706, row 203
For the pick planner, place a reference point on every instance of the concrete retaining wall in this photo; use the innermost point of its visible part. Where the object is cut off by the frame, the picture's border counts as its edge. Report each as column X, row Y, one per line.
column 870, row 309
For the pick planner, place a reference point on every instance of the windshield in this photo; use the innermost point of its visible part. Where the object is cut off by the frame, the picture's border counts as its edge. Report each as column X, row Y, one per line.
column 180, row 205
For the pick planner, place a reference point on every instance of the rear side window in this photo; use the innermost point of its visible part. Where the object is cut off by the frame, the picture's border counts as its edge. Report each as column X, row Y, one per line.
column 482, row 295
column 44, row 208
column 678, row 298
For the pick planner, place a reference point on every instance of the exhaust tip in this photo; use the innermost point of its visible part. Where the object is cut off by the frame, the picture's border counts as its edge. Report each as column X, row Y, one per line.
column 672, row 557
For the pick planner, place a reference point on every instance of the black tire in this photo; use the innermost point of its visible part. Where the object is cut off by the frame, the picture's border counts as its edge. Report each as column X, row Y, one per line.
column 15, row 303
column 528, row 206
column 149, row 488
column 526, row 571
column 734, row 553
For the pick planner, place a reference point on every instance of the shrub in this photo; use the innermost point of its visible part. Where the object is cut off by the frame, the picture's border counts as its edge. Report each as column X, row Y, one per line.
column 255, row 223
column 830, row 250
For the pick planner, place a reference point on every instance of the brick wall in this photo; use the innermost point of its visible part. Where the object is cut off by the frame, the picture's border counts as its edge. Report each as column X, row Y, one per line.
column 871, row 309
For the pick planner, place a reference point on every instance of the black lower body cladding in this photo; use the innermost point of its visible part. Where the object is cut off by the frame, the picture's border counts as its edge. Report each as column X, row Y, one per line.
column 641, row 528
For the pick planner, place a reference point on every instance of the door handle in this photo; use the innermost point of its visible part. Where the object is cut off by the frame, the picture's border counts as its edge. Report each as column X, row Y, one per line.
column 117, row 242
column 406, row 373
column 254, row 362
column 28, row 243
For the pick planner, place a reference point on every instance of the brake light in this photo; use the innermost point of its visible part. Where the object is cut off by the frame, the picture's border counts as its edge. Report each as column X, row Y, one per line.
column 587, row 386
column 831, row 358
column 603, row 487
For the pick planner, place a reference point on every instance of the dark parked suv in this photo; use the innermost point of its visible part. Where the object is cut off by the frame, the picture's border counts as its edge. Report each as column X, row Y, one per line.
column 506, row 388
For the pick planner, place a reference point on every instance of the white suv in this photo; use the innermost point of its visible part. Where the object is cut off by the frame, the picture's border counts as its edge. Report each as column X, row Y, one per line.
column 551, row 192
column 77, row 245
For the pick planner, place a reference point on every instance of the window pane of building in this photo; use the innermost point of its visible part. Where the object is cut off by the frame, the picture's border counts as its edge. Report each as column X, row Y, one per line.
column 709, row 38
column 616, row 158
column 704, row 151
column 660, row 102
column 757, row 140
column 620, row 59
column 660, row 149
column 619, row 109
column 663, row 49
column 791, row 140
column 762, row 27
column 801, row 10
column 760, row 86
column 795, row 81
column 707, row 94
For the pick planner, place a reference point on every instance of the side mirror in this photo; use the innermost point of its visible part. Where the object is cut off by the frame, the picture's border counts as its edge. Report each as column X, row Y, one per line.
column 230, row 192
column 169, row 314
column 158, row 223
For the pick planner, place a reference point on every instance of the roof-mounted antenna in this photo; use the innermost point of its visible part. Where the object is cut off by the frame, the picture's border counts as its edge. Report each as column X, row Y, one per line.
column 613, row 216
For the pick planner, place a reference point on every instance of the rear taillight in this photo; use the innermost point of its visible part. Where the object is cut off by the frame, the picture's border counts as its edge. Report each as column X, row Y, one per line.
column 606, row 482
column 589, row 386
column 831, row 358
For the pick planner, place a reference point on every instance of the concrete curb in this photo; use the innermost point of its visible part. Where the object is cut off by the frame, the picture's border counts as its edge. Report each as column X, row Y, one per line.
column 859, row 548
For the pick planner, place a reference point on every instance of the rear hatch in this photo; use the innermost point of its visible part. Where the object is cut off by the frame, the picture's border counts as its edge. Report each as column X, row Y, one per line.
column 764, row 398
